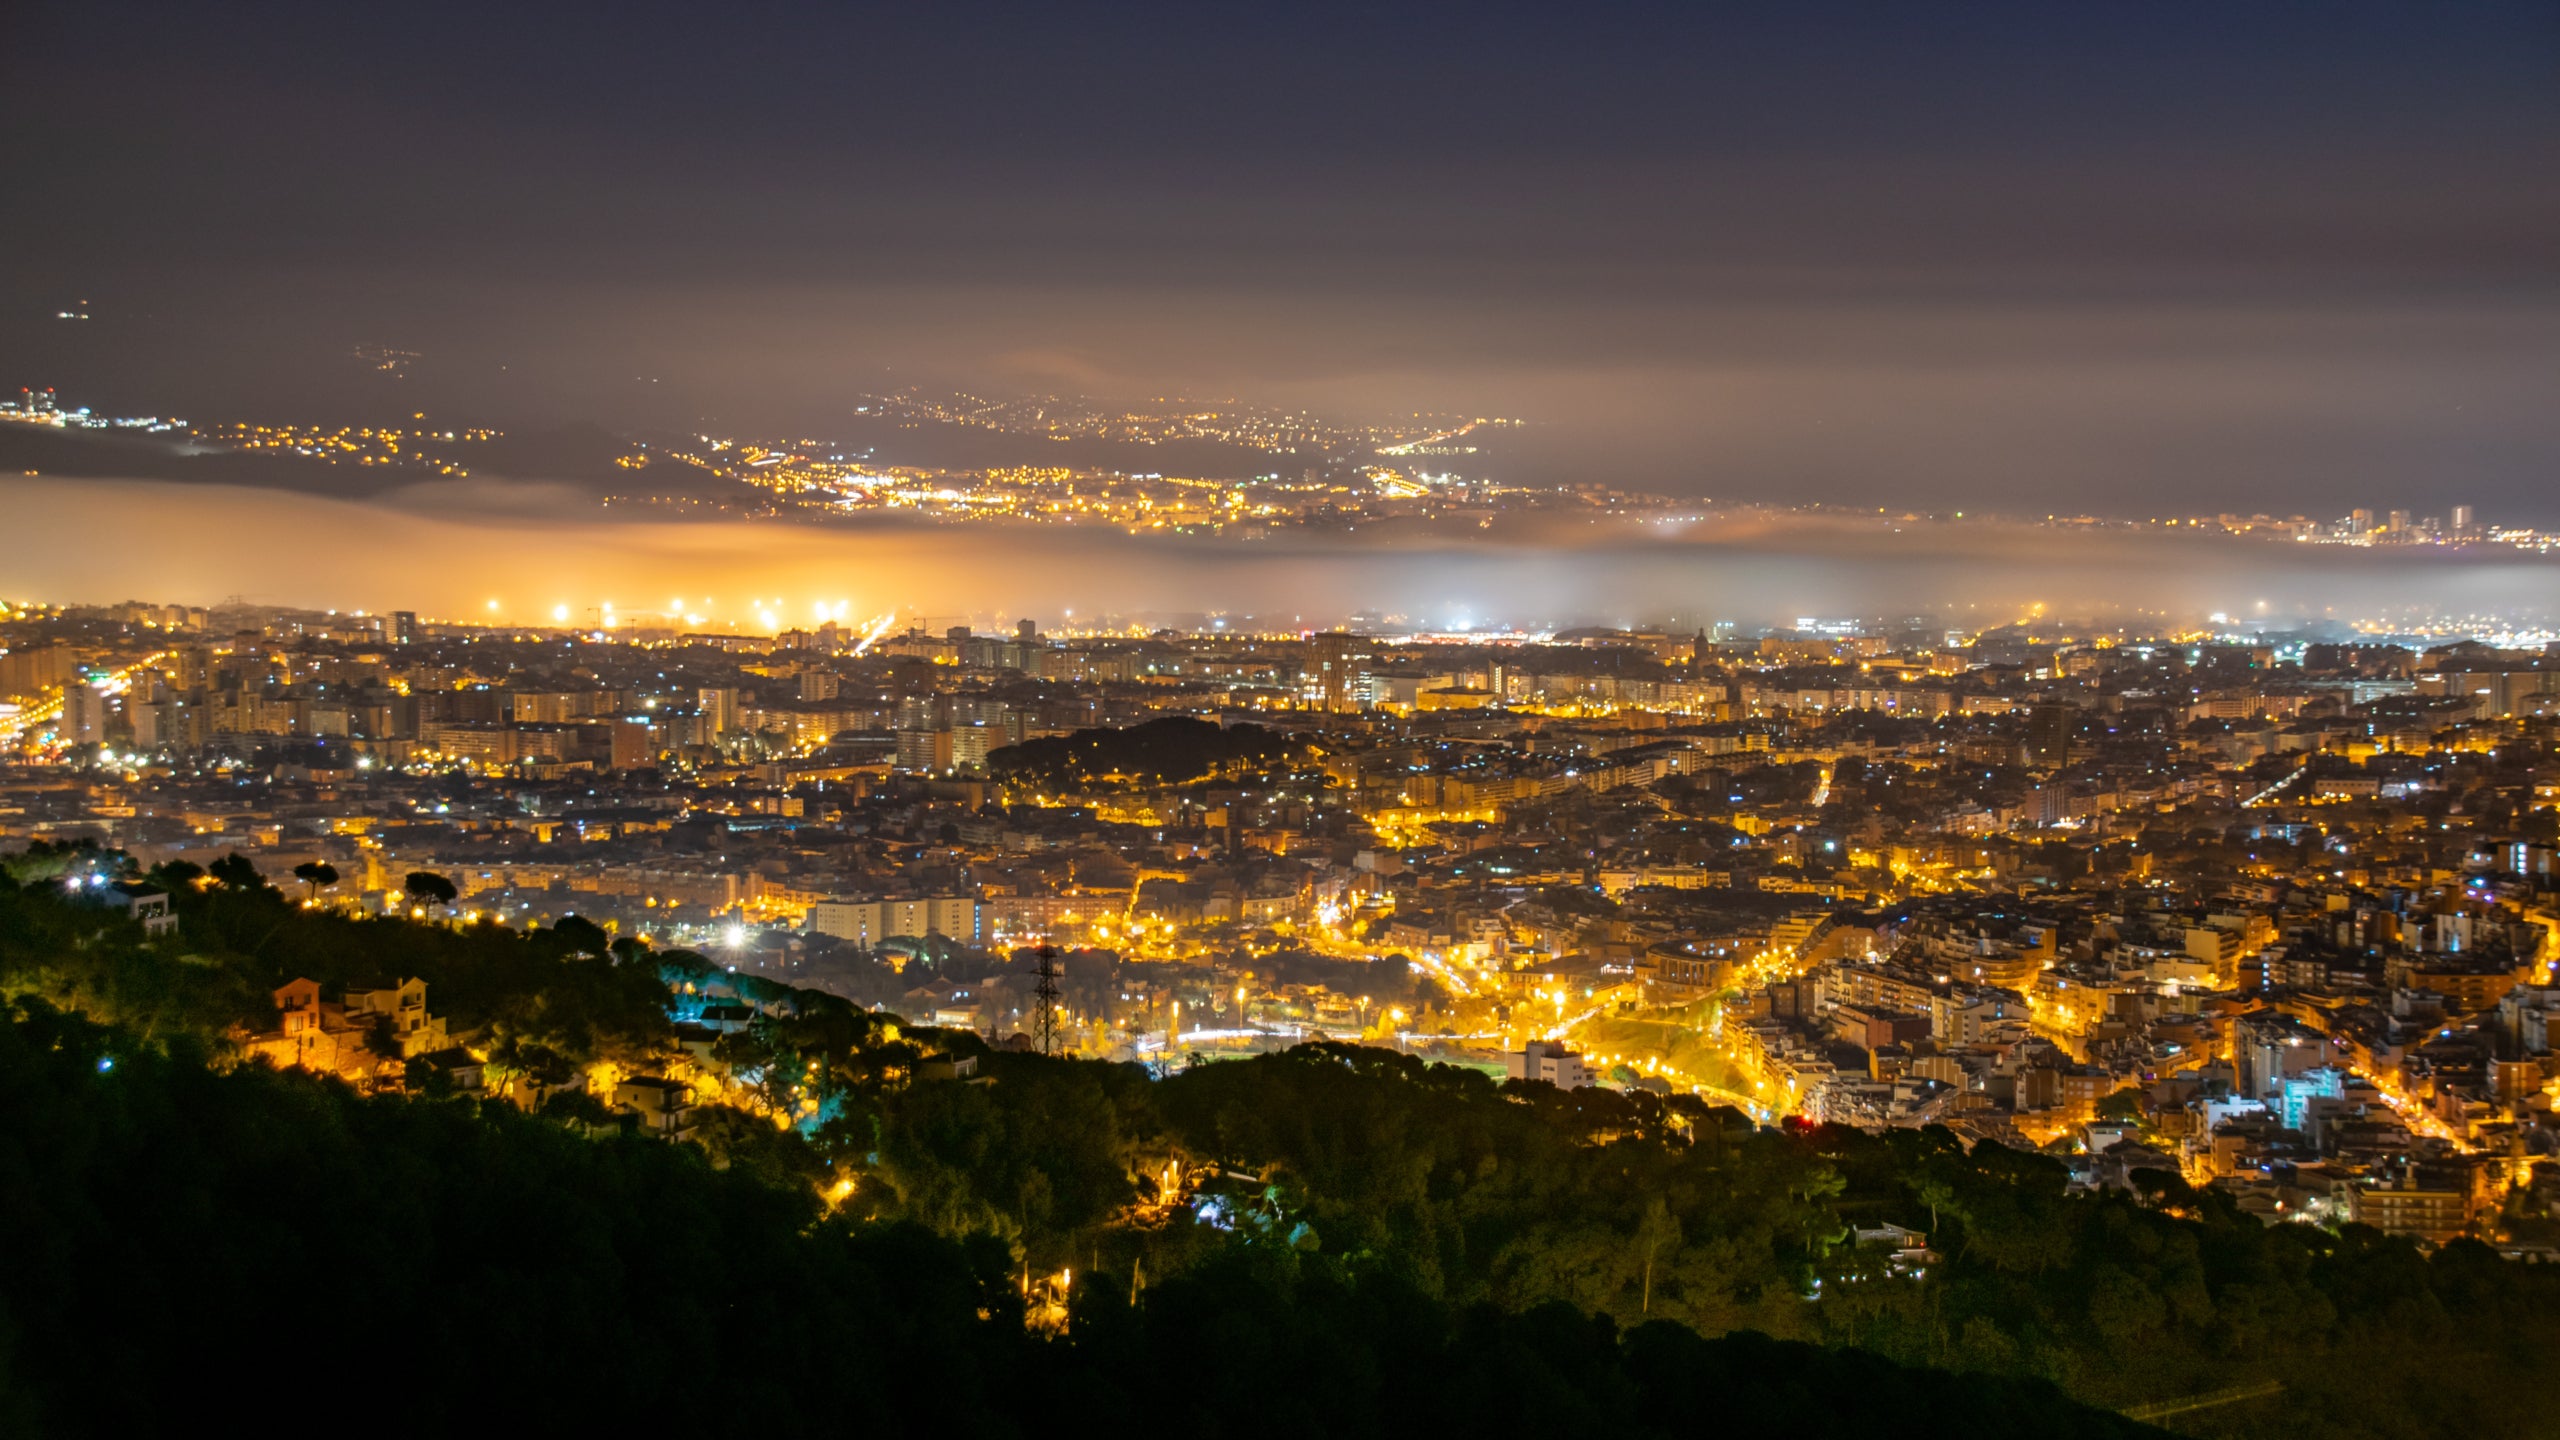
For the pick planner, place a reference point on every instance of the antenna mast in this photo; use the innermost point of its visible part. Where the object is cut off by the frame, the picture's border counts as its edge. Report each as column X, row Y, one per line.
column 1044, row 1030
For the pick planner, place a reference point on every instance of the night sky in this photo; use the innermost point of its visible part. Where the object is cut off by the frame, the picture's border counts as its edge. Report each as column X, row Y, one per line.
column 2044, row 257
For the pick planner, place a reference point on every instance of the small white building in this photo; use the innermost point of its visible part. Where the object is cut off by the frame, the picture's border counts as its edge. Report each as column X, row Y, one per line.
column 1545, row 1060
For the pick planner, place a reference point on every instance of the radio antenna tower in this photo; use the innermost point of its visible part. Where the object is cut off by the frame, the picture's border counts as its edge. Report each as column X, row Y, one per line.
column 1044, row 1030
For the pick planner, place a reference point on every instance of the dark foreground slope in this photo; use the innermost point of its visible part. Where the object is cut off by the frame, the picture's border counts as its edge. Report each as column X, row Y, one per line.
column 189, row 1248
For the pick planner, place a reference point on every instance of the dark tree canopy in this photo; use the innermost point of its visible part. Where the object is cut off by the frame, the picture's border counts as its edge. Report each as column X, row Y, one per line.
column 1418, row 1213
column 509, row 1268
column 1172, row 751
column 236, row 871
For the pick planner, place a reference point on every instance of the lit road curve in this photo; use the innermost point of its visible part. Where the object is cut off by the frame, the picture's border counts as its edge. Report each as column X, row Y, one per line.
column 17, row 729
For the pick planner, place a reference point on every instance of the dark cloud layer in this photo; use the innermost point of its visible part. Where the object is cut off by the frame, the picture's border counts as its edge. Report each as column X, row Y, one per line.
column 2041, row 256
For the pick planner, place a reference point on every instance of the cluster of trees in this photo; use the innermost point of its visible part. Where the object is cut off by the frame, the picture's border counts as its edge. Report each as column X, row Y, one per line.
column 1519, row 1197
column 1177, row 750
column 187, row 1242
column 1389, row 1221
column 567, row 992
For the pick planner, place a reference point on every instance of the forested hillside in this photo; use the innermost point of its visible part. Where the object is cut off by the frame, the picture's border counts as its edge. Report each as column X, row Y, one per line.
column 1330, row 1238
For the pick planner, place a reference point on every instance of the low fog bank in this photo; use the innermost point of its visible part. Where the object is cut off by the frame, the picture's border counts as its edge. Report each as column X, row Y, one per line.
column 448, row 550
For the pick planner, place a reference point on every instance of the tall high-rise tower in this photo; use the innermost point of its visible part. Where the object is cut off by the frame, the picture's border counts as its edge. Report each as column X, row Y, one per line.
column 2049, row 730
column 719, row 706
column 1337, row 667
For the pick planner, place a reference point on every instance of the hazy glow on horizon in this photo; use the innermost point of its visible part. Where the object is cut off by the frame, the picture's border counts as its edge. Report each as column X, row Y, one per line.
column 198, row 544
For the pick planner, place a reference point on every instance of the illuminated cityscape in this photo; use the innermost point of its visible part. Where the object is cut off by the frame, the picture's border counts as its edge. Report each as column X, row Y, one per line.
column 1612, row 721
column 1361, row 475
column 1876, row 874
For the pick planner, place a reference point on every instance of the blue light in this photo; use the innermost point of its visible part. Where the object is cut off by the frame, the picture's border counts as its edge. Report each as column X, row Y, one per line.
column 106, row 1063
